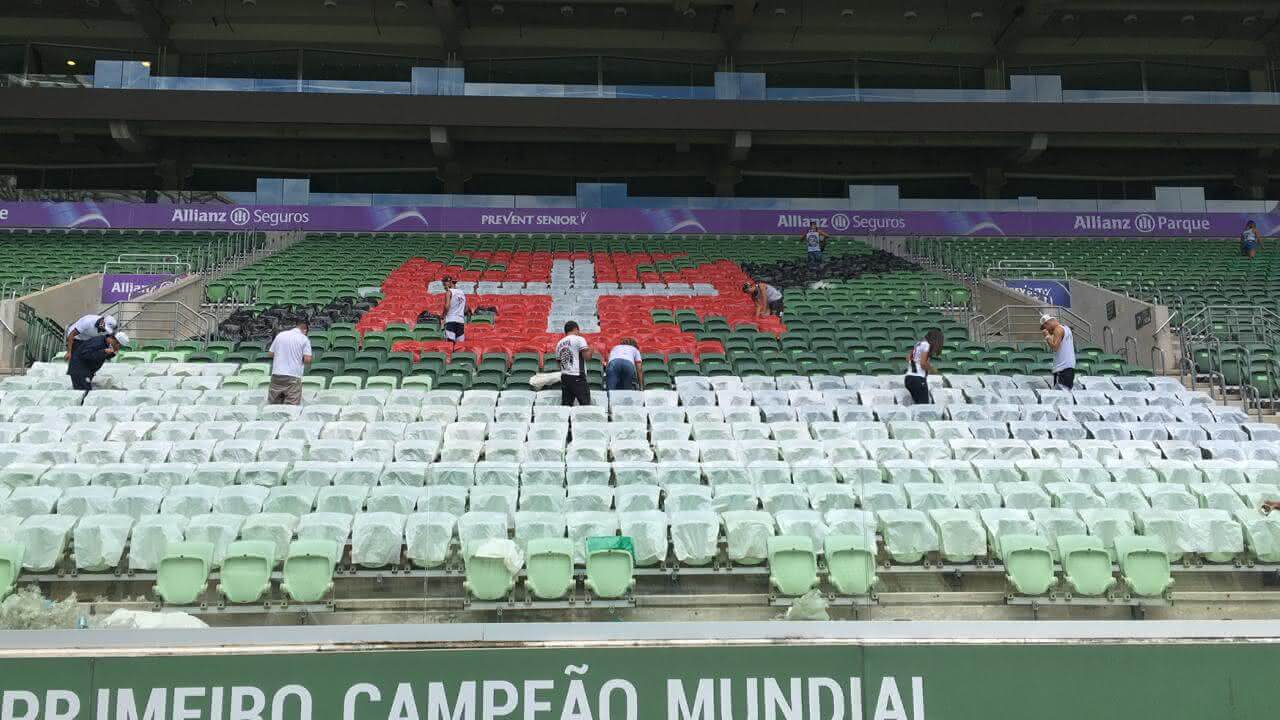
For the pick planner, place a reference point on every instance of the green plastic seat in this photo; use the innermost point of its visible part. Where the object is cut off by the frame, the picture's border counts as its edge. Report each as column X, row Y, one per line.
column 793, row 566
column 348, row 382
column 1028, row 563
column 254, row 368
column 308, row 569
column 1144, row 565
column 1086, row 566
column 488, row 575
column 246, row 570
column 418, row 382
column 549, row 568
column 183, row 573
column 851, row 563
column 10, row 567
column 610, row 566
column 244, row 382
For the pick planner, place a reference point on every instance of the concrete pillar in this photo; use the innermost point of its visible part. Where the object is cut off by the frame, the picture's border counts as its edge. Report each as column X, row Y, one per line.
column 990, row 182
column 725, row 178
column 1251, row 184
column 1259, row 79
column 173, row 174
column 993, row 78
column 454, row 176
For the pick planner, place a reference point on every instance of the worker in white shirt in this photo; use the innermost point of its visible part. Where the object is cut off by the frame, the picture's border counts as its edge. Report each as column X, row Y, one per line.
column 766, row 298
column 454, row 313
column 290, row 353
column 573, row 353
column 625, row 369
column 89, row 326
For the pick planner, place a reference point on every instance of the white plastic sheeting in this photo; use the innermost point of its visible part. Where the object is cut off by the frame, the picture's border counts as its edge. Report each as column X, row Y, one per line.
column 218, row 529
column 1054, row 523
column 747, row 533
column 44, row 539
column 961, row 536
column 428, row 538
column 151, row 538
column 908, row 534
column 276, row 528
column 583, row 525
column 648, row 533
column 335, row 527
column 376, row 539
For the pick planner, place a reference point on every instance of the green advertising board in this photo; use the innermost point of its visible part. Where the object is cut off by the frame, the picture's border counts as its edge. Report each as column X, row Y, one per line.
column 751, row 681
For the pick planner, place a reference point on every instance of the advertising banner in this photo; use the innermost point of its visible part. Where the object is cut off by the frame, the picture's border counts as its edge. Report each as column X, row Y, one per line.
column 830, row 681
column 624, row 220
column 1054, row 292
column 118, row 287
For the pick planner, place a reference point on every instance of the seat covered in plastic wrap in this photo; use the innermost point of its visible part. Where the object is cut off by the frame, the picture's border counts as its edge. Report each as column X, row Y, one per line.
column 44, row 540
column 747, row 533
column 151, row 537
column 377, row 538
column 428, row 538
column 908, row 534
column 217, row 529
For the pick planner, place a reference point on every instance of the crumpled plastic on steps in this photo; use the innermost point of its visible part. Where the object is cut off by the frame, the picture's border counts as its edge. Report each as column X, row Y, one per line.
column 27, row 609
column 142, row 620
column 809, row 606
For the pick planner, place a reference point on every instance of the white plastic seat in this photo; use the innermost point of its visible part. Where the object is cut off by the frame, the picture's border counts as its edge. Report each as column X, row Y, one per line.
column 151, row 537
column 1167, row 497
column 929, row 496
column 397, row 499
column 405, row 473
column 1023, row 495
column 342, row 499
column 377, row 539
column 43, row 538
column 217, row 529
column 135, row 501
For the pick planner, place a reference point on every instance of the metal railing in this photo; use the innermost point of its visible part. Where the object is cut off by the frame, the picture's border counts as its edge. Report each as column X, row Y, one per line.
column 45, row 338
column 1201, row 337
column 1021, row 323
column 162, row 320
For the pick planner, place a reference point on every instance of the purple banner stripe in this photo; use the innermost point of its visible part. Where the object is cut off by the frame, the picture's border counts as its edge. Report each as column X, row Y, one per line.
column 625, row 220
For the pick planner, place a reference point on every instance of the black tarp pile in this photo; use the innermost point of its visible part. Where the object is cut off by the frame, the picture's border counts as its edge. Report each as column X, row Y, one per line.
column 254, row 325
column 796, row 273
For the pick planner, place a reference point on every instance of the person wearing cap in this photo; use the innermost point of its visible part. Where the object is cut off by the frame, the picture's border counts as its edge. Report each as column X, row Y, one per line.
column 290, row 353
column 1060, row 340
column 767, row 298
column 1250, row 240
column 454, row 313
column 88, row 355
column 87, row 327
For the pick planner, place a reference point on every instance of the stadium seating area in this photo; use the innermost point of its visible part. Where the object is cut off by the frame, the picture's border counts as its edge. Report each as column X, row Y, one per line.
column 680, row 297
column 33, row 259
column 182, row 472
column 1238, row 337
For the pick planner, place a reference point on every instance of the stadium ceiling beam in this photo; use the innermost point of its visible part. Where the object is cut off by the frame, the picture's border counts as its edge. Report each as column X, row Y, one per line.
column 731, row 33
column 1021, row 20
column 1035, row 147
column 447, row 21
column 129, row 136
column 441, row 144
column 144, row 12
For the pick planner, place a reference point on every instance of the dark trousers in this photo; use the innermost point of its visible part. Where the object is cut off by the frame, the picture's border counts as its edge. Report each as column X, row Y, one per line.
column 574, row 387
column 919, row 389
column 87, row 358
column 1064, row 379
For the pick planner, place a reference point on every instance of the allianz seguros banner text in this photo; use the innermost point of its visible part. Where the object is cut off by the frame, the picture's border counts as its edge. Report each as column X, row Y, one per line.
column 118, row 287
column 927, row 681
column 622, row 220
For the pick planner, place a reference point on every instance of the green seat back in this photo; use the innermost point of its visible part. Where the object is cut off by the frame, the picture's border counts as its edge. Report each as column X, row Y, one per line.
column 793, row 567
column 1144, row 565
column 10, row 567
column 549, row 568
column 246, row 570
column 851, row 563
column 308, row 569
column 1085, row 564
column 610, row 573
column 1028, row 563
column 184, row 572
column 488, row 578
